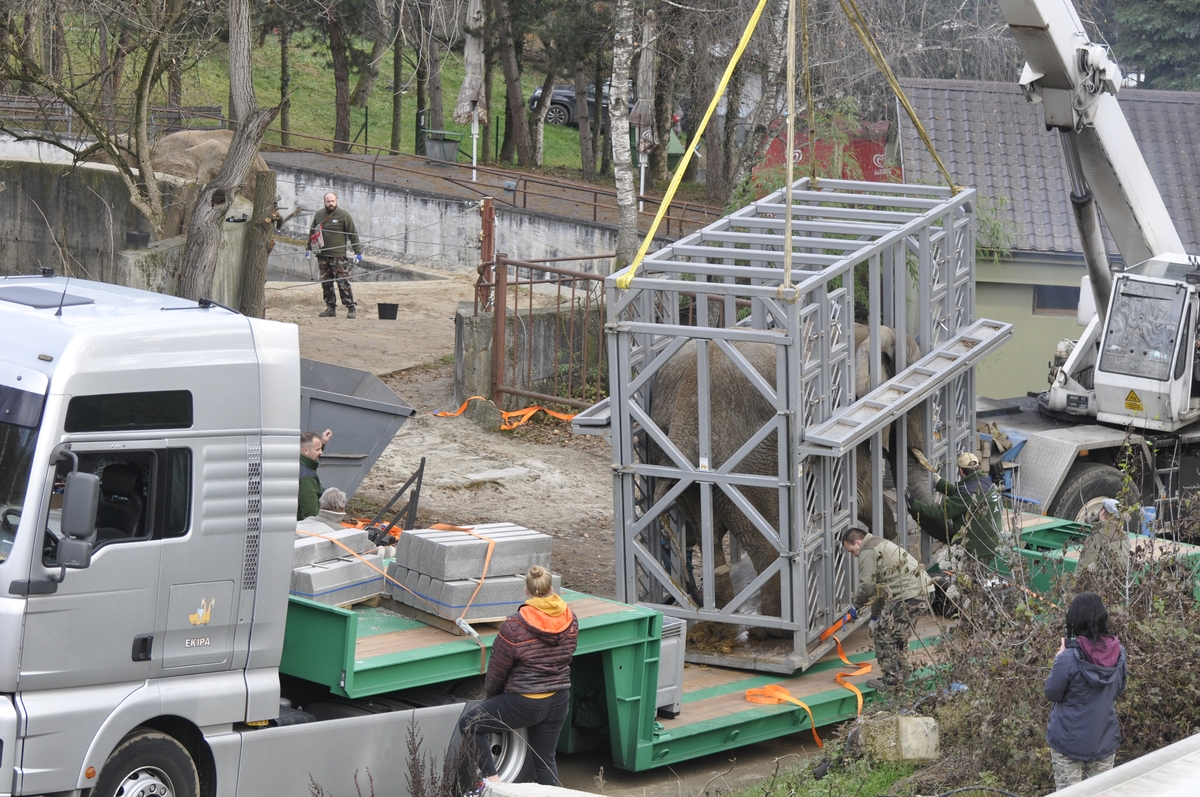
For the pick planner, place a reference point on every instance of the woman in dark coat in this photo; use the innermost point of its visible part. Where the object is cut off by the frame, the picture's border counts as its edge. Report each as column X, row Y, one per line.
column 528, row 679
column 1087, row 676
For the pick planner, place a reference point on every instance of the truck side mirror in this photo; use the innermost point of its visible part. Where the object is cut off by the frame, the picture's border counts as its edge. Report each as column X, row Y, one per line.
column 81, row 497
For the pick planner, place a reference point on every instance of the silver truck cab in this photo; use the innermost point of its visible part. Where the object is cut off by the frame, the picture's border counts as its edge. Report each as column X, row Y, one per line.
column 173, row 614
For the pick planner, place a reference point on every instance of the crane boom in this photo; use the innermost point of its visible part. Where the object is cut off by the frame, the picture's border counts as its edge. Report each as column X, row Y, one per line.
column 1075, row 80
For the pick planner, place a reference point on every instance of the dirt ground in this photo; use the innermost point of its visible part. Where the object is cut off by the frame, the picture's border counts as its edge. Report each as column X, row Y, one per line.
column 540, row 476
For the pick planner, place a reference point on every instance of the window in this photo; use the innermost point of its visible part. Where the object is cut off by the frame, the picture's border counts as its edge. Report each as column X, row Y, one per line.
column 124, row 412
column 16, row 459
column 1140, row 329
column 144, row 495
column 1055, row 300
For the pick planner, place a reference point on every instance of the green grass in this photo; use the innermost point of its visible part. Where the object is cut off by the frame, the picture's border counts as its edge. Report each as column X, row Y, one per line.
column 312, row 111
column 854, row 779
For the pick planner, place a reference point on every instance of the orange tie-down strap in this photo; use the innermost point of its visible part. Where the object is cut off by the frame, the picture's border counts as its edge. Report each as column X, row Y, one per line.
column 861, row 669
column 772, row 694
column 509, row 424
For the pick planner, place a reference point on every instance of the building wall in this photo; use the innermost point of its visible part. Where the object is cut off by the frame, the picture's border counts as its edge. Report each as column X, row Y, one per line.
column 1005, row 292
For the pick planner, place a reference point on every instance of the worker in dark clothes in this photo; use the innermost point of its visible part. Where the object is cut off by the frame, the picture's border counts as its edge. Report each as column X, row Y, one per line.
column 309, row 497
column 528, row 680
column 332, row 235
column 971, row 508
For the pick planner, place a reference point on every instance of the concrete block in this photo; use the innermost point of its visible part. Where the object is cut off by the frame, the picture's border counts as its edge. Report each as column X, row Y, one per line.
column 454, row 555
column 485, row 415
column 308, row 550
column 399, row 573
column 338, row 581
column 890, row 737
column 499, row 596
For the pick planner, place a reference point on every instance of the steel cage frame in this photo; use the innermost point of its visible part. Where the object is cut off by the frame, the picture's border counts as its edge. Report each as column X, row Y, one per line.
column 910, row 250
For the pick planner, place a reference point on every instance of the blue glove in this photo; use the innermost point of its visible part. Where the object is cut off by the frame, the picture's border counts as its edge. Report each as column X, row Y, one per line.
column 853, row 613
column 358, row 258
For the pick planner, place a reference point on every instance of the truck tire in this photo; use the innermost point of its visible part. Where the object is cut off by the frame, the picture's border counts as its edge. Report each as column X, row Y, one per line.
column 148, row 762
column 1085, row 487
column 514, row 764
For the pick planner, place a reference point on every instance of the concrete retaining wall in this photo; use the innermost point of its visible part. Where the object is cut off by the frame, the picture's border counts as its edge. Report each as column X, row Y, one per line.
column 544, row 341
column 74, row 220
column 419, row 226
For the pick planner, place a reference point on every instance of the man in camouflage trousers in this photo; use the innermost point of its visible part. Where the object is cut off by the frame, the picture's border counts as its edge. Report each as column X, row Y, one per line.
column 897, row 589
column 331, row 236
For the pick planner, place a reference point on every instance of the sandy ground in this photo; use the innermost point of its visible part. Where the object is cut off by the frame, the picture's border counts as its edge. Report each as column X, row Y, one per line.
column 542, row 476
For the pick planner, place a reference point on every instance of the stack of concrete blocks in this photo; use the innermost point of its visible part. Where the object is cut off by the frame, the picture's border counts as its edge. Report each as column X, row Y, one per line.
column 326, row 572
column 443, row 569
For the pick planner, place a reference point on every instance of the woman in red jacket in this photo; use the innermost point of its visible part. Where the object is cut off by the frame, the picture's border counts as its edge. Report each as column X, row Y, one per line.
column 528, row 679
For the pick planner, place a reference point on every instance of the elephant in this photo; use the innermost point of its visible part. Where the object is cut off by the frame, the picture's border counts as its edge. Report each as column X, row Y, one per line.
column 738, row 410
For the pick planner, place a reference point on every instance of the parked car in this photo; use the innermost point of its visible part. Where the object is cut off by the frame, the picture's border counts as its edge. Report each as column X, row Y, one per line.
column 562, row 103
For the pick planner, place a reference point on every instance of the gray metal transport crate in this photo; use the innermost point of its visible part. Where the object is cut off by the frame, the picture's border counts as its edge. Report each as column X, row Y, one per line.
column 714, row 357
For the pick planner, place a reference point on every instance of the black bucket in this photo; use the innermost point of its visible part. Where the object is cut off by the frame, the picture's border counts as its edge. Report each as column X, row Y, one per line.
column 388, row 311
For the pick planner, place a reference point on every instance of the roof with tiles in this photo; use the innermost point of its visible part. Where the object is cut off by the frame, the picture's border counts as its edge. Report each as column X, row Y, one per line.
column 993, row 140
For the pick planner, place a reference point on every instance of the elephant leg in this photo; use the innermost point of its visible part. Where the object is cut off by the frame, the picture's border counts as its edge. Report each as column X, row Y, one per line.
column 865, row 484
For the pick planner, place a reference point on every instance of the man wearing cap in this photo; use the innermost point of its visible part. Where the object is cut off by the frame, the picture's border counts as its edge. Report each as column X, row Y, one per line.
column 971, row 508
column 1108, row 544
column 897, row 589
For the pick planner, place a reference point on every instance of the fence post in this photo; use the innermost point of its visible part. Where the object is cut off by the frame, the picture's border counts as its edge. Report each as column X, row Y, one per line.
column 499, row 335
column 487, row 255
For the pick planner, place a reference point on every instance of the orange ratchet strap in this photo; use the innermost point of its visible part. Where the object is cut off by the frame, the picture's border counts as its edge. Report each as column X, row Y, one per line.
column 520, row 415
column 840, row 678
column 772, row 694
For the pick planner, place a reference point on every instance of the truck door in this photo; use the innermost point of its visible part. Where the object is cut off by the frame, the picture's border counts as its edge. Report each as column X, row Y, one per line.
column 98, row 625
column 203, row 610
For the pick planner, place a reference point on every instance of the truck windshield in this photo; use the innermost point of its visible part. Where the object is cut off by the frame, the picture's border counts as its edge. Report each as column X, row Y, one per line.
column 1141, row 329
column 16, row 457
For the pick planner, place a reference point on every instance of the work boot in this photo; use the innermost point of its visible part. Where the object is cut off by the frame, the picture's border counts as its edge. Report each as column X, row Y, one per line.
column 350, row 313
column 330, row 312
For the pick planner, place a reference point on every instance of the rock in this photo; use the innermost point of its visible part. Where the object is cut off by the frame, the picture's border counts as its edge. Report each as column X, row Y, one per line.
column 485, row 415
column 889, row 737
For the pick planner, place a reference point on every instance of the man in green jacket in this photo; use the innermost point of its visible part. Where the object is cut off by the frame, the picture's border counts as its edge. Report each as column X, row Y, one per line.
column 971, row 509
column 309, row 497
column 897, row 589
column 331, row 236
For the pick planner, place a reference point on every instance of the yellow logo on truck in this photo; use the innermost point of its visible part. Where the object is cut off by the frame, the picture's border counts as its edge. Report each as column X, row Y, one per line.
column 204, row 613
column 1134, row 403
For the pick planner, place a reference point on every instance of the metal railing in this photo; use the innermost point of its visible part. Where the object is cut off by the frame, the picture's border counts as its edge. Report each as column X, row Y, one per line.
column 548, row 334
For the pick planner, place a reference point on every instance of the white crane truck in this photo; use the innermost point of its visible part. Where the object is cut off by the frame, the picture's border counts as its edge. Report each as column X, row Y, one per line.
column 1130, row 383
column 149, row 457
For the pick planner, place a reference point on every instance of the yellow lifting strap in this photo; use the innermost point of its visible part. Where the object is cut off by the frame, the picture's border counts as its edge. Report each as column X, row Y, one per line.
column 859, row 23
column 624, row 281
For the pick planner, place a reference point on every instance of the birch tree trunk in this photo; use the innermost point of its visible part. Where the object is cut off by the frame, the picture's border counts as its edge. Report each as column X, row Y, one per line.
column 537, row 120
column 204, row 232
column 618, row 108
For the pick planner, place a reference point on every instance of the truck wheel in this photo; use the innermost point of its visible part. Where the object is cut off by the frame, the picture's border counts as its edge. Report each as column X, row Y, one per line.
column 148, row 763
column 510, row 749
column 1084, row 489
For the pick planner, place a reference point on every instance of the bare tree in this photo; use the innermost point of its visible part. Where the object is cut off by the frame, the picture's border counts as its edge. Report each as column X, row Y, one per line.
column 89, row 85
column 515, row 124
column 204, row 232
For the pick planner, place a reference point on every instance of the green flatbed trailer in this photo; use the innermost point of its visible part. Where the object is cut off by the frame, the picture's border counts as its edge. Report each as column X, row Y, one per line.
column 1051, row 548
column 364, row 652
